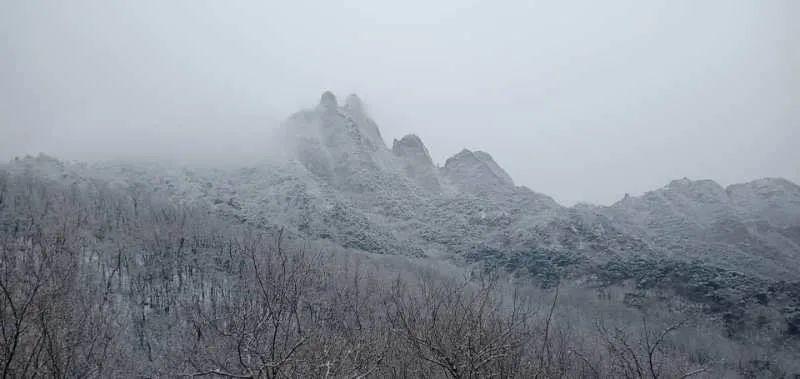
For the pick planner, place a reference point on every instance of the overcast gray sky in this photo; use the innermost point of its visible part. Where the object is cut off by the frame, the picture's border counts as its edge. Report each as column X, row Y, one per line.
column 581, row 100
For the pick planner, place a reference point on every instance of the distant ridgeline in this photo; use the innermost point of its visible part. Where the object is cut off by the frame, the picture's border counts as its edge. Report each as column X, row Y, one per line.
column 734, row 252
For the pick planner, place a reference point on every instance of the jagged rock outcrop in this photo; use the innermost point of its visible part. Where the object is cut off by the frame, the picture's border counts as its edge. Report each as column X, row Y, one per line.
column 328, row 102
column 417, row 162
column 341, row 145
column 354, row 109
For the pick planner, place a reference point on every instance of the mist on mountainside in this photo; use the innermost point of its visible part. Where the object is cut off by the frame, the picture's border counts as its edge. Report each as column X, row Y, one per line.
column 450, row 190
column 584, row 102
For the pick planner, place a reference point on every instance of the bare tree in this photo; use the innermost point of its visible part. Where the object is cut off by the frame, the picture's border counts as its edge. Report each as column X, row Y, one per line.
column 643, row 356
column 53, row 320
column 464, row 332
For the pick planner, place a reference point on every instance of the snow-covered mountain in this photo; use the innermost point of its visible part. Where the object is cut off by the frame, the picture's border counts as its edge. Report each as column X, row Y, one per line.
column 339, row 182
column 750, row 227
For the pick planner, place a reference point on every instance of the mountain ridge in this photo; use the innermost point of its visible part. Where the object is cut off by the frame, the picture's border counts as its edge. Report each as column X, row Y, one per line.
column 339, row 183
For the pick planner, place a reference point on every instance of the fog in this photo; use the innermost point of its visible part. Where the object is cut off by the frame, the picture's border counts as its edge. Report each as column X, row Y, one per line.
column 581, row 100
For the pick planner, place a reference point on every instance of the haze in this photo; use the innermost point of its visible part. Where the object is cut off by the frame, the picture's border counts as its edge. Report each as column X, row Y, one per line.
column 581, row 100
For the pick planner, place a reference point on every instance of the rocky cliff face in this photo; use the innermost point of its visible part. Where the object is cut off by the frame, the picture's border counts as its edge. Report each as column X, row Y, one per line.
column 417, row 162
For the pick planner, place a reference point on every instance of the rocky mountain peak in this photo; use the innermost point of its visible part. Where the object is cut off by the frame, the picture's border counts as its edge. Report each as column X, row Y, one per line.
column 766, row 186
column 328, row 101
column 686, row 184
column 496, row 169
column 682, row 182
column 417, row 161
column 355, row 112
column 684, row 196
column 341, row 145
column 411, row 146
column 476, row 172
column 774, row 199
column 701, row 191
column 354, row 104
